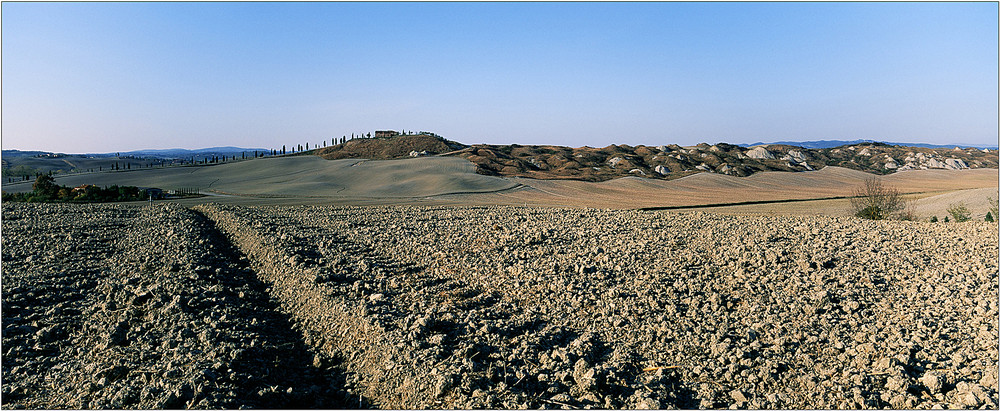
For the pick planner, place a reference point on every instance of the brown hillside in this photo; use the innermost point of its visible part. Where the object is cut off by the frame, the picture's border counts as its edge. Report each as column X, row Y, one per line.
column 389, row 148
column 672, row 161
column 606, row 163
column 665, row 162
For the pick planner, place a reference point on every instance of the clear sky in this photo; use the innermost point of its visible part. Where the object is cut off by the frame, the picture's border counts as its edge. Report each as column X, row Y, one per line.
column 98, row 77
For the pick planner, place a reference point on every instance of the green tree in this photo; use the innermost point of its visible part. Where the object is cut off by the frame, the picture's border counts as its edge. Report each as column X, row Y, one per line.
column 960, row 212
column 989, row 217
column 934, row 219
column 45, row 186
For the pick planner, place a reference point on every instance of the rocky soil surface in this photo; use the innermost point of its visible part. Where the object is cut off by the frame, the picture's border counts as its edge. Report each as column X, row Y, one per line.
column 112, row 306
column 416, row 307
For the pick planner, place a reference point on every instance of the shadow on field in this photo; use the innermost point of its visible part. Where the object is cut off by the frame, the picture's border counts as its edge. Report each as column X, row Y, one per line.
column 281, row 371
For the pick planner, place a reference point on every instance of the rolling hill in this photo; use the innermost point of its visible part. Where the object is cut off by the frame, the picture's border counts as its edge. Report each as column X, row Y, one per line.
column 427, row 169
column 16, row 163
column 666, row 162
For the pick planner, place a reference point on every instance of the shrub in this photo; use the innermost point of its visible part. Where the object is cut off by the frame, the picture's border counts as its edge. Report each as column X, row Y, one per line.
column 960, row 212
column 875, row 201
column 934, row 219
column 993, row 207
column 45, row 190
column 946, row 219
column 989, row 217
column 907, row 214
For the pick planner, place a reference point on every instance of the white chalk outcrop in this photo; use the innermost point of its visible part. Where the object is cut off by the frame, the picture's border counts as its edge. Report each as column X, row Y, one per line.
column 760, row 153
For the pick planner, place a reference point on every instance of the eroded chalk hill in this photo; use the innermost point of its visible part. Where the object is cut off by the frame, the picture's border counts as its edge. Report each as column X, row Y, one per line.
column 662, row 162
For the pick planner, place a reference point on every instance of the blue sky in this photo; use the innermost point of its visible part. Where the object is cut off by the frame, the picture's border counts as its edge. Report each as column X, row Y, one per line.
column 96, row 77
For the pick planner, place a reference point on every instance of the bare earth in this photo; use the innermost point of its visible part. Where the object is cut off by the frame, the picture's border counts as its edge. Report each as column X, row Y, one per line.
column 417, row 283
column 453, row 181
column 138, row 306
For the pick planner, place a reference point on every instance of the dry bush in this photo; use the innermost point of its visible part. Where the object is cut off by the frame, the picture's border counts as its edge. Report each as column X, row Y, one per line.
column 907, row 213
column 876, row 201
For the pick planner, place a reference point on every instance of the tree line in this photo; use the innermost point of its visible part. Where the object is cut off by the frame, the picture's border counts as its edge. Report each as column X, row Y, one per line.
column 45, row 190
column 24, row 173
column 344, row 139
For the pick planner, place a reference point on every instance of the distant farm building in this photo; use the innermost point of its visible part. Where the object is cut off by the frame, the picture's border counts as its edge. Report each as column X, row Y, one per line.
column 154, row 193
column 385, row 133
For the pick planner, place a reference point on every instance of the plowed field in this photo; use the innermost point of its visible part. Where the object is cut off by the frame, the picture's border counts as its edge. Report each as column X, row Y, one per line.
column 224, row 306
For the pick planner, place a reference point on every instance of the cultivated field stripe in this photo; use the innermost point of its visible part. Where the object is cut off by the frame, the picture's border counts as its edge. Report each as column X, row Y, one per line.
column 139, row 307
column 328, row 323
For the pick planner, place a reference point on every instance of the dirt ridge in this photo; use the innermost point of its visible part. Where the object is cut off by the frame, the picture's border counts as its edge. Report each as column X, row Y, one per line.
column 225, row 306
column 114, row 306
column 330, row 323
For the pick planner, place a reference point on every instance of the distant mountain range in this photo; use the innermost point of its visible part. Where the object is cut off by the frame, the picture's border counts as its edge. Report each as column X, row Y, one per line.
column 185, row 153
column 838, row 143
column 29, row 163
column 169, row 153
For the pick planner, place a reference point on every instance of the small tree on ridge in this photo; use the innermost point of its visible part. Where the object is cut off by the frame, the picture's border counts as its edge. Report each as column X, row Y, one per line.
column 876, row 201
